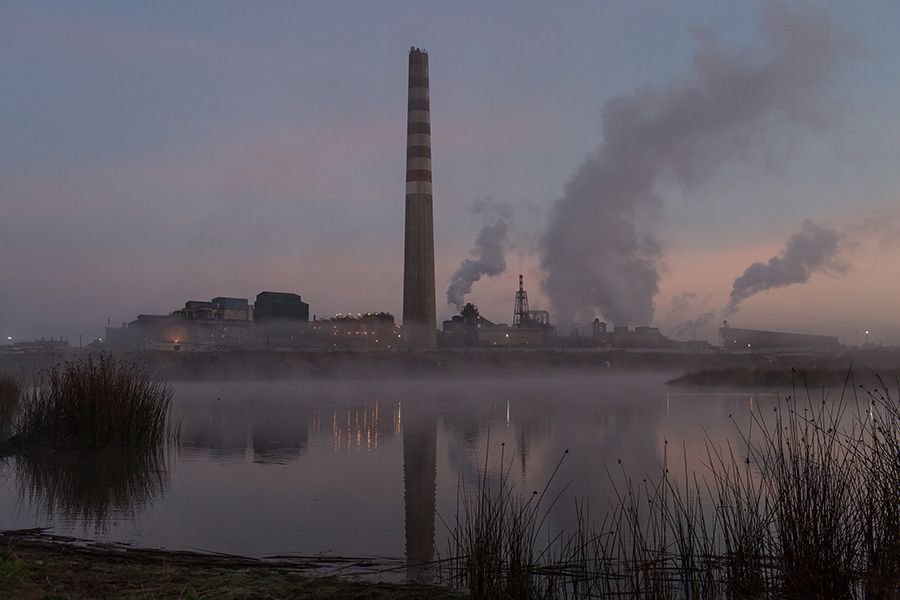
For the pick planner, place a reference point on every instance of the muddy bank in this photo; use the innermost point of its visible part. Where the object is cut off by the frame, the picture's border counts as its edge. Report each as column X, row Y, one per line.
column 35, row 565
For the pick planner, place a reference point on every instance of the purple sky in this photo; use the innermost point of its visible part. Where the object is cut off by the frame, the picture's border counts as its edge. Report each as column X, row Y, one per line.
column 152, row 153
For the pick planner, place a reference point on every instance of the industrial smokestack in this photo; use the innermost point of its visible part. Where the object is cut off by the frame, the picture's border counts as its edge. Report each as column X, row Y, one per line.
column 419, row 313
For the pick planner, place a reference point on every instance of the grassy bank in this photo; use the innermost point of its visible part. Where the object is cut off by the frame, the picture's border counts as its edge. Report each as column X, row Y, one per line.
column 36, row 567
column 778, row 377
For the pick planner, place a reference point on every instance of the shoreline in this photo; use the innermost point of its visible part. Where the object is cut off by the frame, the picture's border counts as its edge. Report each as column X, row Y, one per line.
column 35, row 564
column 268, row 365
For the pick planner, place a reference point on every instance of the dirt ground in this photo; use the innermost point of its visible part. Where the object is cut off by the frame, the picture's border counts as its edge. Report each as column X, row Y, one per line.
column 34, row 567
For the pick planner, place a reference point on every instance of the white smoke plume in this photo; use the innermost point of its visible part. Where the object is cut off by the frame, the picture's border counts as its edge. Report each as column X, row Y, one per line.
column 812, row 250
column 599, row 251
column 680, row 303
column 488, row 255
column 691, row 326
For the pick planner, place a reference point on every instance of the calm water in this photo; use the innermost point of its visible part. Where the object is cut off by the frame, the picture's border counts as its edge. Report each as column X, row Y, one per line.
column 358, row 468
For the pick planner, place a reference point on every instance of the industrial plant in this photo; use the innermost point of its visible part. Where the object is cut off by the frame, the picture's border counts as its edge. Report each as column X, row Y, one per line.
column 280, row 321
column 276, row 321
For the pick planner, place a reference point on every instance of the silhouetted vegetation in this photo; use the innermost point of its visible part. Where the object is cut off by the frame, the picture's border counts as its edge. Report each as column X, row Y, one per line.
column 808, row 508
column 9, row 401
column 770, row 376
column 94, row 403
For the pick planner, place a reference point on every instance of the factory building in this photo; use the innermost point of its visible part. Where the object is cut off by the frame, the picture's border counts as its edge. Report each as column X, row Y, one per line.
column 531, row 328
column 221, row 323
column 280, row 306
column 282, row 321
column 419, row 312
column 753, row 340
column 512, row 337
column 221, row 308
column 41, row 346
column 278, row 321
column 370, row 331
column 462, row 329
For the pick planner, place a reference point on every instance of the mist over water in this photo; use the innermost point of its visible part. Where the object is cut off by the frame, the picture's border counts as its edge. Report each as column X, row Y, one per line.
column 358, row 468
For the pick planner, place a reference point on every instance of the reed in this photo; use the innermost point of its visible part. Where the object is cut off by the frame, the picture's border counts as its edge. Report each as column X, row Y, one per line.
column 94, row 403
column 808, row 508
column 10, row 390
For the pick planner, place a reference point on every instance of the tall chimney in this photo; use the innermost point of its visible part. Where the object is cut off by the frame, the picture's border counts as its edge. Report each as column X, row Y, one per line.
column 419, row 321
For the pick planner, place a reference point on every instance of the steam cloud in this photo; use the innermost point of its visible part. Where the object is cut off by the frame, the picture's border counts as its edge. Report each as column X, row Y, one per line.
column 600, row 250
column 691, row 326
column 813, row 249
column 489, row 253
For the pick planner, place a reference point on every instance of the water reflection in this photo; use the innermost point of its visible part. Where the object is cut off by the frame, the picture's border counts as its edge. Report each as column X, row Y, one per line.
column 419, row 485
column 91, row 488
column 280, row 434
column 361, row 468
column 361, row 427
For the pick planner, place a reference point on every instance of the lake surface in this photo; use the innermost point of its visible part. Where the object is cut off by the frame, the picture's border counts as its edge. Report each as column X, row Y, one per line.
column 362, row 468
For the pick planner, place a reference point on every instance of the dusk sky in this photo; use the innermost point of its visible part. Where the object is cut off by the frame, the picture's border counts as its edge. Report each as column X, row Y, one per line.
column 158, row 152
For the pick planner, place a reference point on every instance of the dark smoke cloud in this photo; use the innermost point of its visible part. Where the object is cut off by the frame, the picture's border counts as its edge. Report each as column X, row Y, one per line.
column 812, row 250
column 599, row 250
column 489, row 253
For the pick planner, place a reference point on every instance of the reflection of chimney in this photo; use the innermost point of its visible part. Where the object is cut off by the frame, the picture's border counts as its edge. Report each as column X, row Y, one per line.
column 419, row 476
column 419, row 314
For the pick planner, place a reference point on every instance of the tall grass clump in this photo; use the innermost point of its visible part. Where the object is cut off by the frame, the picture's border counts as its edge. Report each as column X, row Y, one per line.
column 881, row 495
column 94, row 403
column 493, row 548
column 808, row 507
column 10, row 390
